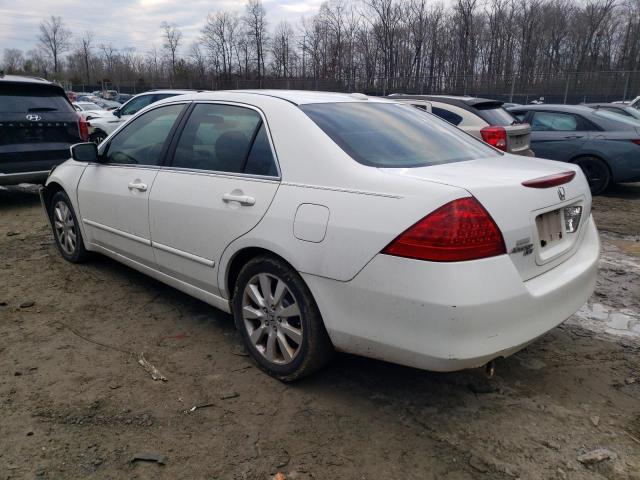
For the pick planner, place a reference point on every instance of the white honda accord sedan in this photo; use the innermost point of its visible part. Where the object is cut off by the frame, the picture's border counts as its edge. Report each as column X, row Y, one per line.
column 328, row 222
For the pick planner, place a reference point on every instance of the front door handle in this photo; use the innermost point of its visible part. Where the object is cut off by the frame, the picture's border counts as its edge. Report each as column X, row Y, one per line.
column 141, row 187
column 241, row 199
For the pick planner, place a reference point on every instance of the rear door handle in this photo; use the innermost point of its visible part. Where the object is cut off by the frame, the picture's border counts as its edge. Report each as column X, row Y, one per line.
column 241, row 199
column 573, row 136
column 141, row 187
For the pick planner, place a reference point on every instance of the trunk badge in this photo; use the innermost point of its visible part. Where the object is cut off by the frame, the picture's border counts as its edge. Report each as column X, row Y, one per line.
column 561, row 194
column 34, row 118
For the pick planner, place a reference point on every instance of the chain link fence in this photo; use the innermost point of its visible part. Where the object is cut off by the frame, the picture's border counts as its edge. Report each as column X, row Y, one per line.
column 571, row 88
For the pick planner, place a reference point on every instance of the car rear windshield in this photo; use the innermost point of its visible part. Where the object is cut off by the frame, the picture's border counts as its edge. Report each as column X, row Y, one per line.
column 392, row 135
column 26, row 98
column 494, row 114
column 617, row 117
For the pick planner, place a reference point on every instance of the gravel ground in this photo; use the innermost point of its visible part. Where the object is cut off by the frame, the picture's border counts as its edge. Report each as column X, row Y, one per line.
column 74, row 402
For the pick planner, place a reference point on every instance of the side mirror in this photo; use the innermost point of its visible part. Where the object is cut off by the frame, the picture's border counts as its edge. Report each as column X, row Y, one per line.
column 116, row 112
column 85, row 152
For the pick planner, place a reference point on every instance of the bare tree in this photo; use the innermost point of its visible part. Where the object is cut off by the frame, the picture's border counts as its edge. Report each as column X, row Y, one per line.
column 256, row 23
column 13, row 60
column 219, row 36
column 85, row 48
column 54, row 39
column 172, row 40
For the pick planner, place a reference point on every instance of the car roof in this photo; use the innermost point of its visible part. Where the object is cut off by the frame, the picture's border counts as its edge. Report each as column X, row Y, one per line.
column 23, row 79
column 162, row 91
column 461, row 101
column 301, row 97
column 612, row 105
column 583, row 109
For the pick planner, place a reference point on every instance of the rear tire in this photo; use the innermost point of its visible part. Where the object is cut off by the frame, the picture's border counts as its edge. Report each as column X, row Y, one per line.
column 597, row 173
column 279, row 320
column 66, row 230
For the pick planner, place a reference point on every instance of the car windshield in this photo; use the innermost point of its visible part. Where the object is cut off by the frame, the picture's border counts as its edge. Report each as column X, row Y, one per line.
column 392, row 135
column 618, row 117
column 90, row 106
column 495, row 115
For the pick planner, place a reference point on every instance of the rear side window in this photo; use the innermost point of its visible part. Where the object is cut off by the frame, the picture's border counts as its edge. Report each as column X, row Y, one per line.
column 28, row 98
column 450, row 117
column 225, row 138
column 393, row 135
column 519, row 115
column 495, row 115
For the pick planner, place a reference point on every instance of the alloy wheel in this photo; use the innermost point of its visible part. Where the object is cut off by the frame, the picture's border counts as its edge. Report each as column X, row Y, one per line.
column 65, row 227
column 272, row 318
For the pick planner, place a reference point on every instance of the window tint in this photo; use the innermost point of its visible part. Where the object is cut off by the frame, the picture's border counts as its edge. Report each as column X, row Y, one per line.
column 519, row 115
column 28, row 98
column 141, row 141
column 136, row 104
column 392, row 135
column 260, row 160
column 450, row 117
column 554, row 122
column 219, row 138
column 162, row 96
column 494, row 115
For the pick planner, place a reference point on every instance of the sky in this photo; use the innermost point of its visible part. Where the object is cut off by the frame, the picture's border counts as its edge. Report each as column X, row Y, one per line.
column 129, row 23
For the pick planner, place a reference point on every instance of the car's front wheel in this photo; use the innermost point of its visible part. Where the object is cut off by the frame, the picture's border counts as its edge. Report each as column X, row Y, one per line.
column 279, row 320
column 66, row 232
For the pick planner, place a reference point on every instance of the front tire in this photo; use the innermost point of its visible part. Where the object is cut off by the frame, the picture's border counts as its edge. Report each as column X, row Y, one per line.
column 66, row 230
column 279, row 320
column 97, row 137
column 597, row 173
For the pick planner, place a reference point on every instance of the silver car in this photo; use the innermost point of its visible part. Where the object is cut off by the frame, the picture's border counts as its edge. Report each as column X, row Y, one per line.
column 481, row 117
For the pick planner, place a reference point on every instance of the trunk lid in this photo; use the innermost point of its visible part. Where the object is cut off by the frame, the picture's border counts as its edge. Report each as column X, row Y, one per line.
column 532, row 220
column 518, row 138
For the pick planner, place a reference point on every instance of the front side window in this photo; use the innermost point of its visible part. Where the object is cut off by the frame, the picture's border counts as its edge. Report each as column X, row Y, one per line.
column 225, row 138
column 136, row 104
column 141, row 142
column 388, row 135
column 554, row 122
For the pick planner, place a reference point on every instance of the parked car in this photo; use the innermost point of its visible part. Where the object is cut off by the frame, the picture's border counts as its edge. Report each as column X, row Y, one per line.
column 89, row 110
column 101, row 127
column 618, row 108
column 481, row 117
column 605, row 145
column 123, row 98
column 37, row 127
column 331, row 221
column 635, row 103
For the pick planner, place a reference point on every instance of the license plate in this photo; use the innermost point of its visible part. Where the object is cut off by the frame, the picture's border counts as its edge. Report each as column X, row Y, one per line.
column 518, row 141
column 550, row 229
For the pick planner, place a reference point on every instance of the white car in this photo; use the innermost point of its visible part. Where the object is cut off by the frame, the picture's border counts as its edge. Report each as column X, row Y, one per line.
column 99, row 128
column 88, row 110
column 330, row 222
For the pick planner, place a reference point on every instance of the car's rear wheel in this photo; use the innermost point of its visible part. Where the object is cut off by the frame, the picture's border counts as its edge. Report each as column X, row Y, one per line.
column 66, row 232
column 597, row 173
column 279, row 320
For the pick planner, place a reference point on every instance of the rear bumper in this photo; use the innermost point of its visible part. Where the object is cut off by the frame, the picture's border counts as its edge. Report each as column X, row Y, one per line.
column 452, row 316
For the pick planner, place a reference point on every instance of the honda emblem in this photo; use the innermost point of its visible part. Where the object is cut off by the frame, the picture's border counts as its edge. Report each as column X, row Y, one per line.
column 561, row 193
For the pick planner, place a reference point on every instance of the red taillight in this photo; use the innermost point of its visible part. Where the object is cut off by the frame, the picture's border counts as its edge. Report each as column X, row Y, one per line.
column 495, row 136
column 83, row 128
column 637, row 142
column 459, row 230
column 550, row 180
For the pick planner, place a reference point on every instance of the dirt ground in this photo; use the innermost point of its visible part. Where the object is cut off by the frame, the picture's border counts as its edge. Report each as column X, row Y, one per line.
column 75, row 404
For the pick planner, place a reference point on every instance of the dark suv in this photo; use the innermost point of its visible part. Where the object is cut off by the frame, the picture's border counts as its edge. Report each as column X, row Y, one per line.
column 37, row 127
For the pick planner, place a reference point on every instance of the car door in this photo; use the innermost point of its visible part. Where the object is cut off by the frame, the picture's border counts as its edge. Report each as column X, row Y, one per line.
column 557, row 135
column 113, row 195
column 219, row 184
